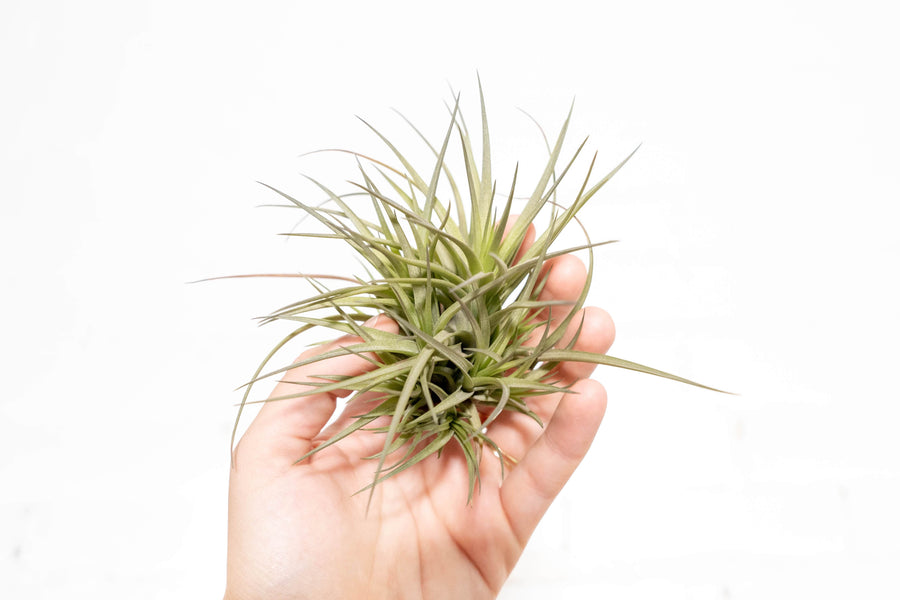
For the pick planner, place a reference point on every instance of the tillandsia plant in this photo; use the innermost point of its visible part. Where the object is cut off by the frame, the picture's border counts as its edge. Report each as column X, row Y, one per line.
column 453, row 273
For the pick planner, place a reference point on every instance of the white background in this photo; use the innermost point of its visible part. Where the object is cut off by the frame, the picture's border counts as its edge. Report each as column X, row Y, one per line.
column 759, row 253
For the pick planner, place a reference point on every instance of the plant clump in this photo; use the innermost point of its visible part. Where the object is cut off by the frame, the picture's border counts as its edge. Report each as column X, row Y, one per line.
column 453, row 274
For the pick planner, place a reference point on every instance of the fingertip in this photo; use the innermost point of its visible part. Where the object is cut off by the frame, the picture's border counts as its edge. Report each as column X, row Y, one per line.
column 590, row 398
column 592, row 330
column 530, row 234
column 577, row 418
column 602, row 327
column 307, row 412
column 527, row 241
column 566, row 277
column 382, row 322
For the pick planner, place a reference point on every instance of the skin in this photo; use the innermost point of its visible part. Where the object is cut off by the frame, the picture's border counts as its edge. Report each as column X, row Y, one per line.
column 298, row 531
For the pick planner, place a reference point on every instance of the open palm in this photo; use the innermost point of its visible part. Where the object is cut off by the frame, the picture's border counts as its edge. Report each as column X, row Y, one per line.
column 301, row 531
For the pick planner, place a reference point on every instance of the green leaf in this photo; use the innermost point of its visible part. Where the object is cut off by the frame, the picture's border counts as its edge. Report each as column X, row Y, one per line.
column 604, row 359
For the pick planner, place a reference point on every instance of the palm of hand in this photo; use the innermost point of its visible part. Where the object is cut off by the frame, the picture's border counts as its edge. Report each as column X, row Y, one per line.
column 302, row 531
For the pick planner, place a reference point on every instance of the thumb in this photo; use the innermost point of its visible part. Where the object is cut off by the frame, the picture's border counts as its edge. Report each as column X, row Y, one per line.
column 289, row 425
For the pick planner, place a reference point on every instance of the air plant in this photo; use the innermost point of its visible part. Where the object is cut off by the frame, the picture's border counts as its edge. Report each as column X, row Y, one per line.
column 449, row 271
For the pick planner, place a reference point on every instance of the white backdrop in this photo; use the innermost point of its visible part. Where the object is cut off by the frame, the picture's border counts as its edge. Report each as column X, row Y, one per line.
column 759, row 253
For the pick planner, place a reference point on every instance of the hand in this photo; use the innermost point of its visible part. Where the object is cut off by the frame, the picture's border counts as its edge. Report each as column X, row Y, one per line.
column 298, row 531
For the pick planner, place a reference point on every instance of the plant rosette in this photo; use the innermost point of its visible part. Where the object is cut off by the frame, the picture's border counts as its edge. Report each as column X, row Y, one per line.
column 446, row 259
